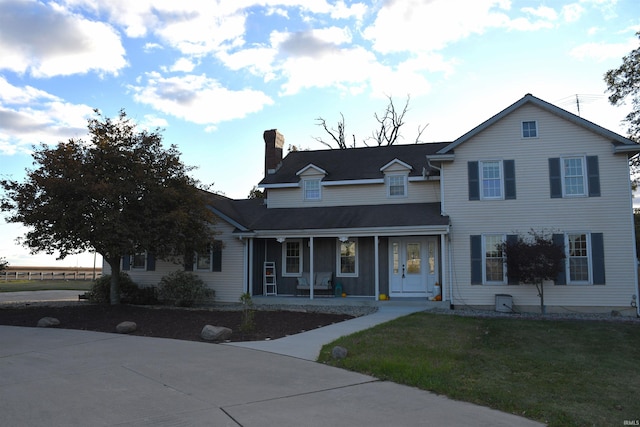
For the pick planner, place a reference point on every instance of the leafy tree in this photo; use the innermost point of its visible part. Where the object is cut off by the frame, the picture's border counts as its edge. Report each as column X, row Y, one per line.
column 533, row 259
column 256, row 193
column 119, row 193
column 387, row 133
column 624, row 82
column 3, row 264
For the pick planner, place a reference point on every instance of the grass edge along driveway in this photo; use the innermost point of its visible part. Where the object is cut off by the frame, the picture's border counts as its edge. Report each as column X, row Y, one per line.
column 560, row 372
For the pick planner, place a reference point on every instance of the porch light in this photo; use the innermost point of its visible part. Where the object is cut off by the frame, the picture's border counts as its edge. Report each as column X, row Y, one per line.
column 343, row 239
column 281, row 239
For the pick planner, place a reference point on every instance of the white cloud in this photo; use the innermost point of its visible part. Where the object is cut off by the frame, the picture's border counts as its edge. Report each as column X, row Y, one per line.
column 601, row 51
column 184, row 65
column 198, row 99
column 30, row 116
column 572, row 12
column 46, row 41
column 543, row 12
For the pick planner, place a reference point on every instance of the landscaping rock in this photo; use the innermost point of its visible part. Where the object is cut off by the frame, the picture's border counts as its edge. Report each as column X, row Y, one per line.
column 215, row 333
column 339, row 352
column 126, row 327
column 47, row 322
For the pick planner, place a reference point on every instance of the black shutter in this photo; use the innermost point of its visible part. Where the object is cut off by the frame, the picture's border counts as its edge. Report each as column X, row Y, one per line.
column 188, row 261
column 558, row 239
column 555, row 178
column 597, row 256
column 126, row 263
column 476, row 260
column 593, row 175
column 474, row 181
column 512, row 280
column 216, row 264
column 151, row 262
column 509, row 167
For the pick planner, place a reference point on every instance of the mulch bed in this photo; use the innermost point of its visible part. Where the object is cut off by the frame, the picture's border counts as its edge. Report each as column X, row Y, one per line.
column 166, row 322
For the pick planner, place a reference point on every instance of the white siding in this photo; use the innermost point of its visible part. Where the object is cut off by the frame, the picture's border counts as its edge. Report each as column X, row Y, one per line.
column 228, row 283
column 347, row 195
column 609, row 214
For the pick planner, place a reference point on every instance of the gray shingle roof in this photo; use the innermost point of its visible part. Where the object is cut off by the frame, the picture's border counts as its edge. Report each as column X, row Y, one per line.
column 253, row 215
column 353, row 163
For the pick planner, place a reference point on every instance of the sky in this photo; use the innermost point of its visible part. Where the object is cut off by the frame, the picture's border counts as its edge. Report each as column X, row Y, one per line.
column 213, row 75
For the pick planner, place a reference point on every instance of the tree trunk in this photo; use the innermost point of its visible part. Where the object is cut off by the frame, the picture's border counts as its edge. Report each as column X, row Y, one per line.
column 543, row 309
column 114, row 290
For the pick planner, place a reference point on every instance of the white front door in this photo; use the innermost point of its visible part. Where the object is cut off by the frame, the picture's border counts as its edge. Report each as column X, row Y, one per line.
column 413, row 266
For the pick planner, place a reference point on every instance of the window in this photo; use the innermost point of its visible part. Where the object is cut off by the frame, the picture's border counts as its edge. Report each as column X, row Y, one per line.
column 397, row 185
column 312, row 189
column 203, row 261
column 210, row 259
column 491, row 180
column 139, row 261
column 574, row 176
column 578, row 257
column 292, row 255
column 347, row 258
column 529, row 129
column 494, row 262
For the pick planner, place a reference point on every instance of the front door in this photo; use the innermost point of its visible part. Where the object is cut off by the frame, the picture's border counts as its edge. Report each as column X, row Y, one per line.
column 413, row 266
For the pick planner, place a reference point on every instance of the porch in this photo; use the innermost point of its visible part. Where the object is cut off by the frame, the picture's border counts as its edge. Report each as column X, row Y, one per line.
column 319, row 302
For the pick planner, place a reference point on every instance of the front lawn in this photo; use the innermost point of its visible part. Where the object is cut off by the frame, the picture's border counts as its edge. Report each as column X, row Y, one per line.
column 563, row 373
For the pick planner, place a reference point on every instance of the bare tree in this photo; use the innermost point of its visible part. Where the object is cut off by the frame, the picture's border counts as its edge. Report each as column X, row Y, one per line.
column 388, row 132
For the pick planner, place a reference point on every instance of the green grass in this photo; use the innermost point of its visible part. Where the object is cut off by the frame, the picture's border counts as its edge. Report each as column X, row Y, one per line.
column 44, row 285
column 563, row 373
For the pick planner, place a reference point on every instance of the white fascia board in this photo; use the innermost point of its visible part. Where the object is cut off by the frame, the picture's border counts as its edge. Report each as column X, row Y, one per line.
column 422, row 178
column 281, row 185
column 396, row 161
column 353, row 182
column 441, row 157
column 627, row 148
column 356, row 232
column 311, row 166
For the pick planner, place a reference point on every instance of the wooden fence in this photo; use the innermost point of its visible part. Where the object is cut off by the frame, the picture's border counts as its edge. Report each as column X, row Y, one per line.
column 51, row 273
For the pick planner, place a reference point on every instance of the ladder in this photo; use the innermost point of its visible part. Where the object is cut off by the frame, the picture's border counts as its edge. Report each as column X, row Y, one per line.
column 270, row 287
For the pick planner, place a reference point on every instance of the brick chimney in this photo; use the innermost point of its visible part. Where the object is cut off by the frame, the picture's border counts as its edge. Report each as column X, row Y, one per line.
column 273, row 143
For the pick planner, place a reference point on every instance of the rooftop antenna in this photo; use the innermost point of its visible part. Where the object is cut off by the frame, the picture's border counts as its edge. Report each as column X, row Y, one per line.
column 578, row 99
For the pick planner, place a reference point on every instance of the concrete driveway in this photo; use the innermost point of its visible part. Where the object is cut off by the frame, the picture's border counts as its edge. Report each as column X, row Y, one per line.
column 77, row 378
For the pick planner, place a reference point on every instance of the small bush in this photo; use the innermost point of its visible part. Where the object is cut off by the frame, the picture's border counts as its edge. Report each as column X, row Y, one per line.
column 101, row 289
column 248, row 324
column 183, row 289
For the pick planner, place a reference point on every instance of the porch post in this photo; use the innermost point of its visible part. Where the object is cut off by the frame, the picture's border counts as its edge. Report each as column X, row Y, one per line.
column 311, row 276
column 443, row 263
column 249, row 268
column 376, row 273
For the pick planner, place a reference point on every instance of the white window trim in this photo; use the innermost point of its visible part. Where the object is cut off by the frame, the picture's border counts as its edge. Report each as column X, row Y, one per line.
column 132, row 265
column 484, row 262
column 481, row 179
column 584, row 176
column 567, row 265
column 304, row 189
column 404, row 177
column 284, row 258
column 338, row 269
column 195, row 263
column 522, row 129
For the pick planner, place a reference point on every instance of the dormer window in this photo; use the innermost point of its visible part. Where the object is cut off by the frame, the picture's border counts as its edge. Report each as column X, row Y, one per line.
column 397, row 185
column 312, row 189
column 530, row 129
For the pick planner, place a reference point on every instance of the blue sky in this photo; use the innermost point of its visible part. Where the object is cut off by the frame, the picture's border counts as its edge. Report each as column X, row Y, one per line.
column 216, row 74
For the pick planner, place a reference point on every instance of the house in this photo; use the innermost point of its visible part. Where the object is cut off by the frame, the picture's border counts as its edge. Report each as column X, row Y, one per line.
column 425, row 220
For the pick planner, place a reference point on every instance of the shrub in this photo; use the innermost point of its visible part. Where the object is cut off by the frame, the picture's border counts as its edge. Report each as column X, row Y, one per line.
column 183, row 289
column 247, row 325
column 129, row 291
